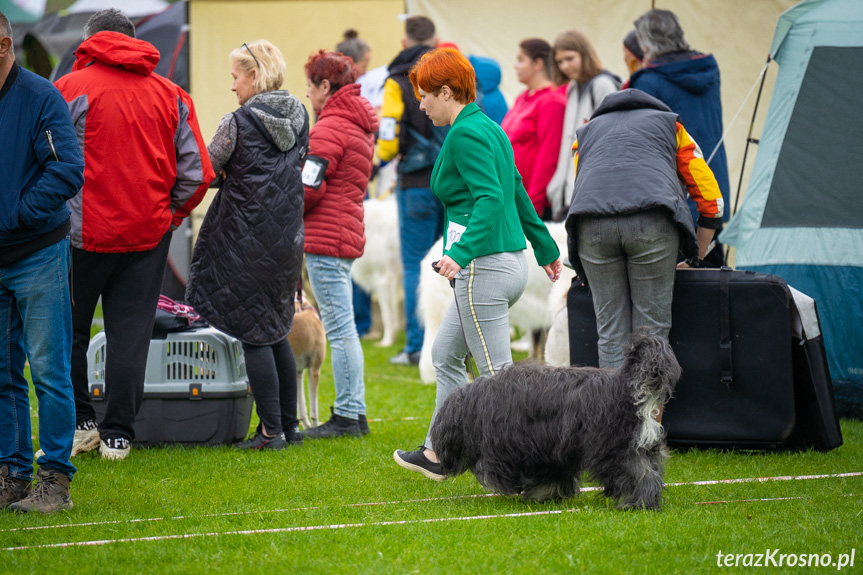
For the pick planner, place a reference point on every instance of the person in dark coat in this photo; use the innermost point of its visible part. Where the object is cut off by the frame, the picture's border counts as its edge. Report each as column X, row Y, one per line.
column 42, row 167
column 688, row 82
column 248, row 258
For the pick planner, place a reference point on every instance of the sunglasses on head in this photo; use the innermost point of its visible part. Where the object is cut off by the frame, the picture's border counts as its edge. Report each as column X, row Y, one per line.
column 246, row 46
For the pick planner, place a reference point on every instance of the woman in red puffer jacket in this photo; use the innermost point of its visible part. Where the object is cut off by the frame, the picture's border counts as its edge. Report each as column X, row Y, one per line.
column 336, row 174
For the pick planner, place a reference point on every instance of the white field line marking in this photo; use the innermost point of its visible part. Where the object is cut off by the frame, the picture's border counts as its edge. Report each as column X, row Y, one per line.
column 429, row 500
column 748, row 500
column 290, row 529
column 307, row 528
column 382, row 419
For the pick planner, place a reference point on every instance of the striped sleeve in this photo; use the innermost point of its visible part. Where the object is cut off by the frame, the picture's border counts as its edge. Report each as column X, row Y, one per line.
column 699, row 180
column 391, row 116
column 575, row 157
column 194, row 170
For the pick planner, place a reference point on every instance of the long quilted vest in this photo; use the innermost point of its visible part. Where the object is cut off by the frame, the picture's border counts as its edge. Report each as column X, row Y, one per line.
column 248, row 258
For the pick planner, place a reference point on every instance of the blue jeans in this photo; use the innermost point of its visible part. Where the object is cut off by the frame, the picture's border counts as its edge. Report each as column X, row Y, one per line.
column 331, row 283
column 629, row 261
column 37, row 325
column 420, row 225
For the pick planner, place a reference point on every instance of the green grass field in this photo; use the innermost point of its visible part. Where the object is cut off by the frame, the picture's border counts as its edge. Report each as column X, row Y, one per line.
column 343, row 506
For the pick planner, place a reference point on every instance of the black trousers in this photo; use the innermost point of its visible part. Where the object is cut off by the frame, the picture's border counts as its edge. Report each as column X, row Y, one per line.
column 272, row 372
column 129, row 285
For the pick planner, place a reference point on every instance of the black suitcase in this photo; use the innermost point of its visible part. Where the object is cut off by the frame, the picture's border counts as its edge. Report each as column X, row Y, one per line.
column 747, row 383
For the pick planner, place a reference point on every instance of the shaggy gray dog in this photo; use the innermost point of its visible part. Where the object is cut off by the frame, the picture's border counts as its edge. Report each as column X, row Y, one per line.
column 532, row 429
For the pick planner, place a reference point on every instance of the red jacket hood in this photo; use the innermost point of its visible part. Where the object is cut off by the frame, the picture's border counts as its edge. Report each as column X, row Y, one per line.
column 347, row 103
column 117, row 49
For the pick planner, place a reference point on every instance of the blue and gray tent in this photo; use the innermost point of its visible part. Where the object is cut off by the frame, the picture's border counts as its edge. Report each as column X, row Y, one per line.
column 802, row 218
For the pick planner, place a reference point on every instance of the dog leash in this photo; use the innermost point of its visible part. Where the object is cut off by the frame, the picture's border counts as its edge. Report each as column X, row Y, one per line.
column 436, row 267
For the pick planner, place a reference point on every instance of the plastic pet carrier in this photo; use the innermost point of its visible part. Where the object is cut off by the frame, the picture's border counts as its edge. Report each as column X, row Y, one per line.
column 196, row 391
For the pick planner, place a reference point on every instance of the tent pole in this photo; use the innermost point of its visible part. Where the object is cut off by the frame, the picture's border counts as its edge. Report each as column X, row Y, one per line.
column 749, row 139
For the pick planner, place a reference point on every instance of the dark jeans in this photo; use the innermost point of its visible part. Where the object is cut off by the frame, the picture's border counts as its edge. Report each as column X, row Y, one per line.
column 362, row 310
column 420, row 225
column 272, row 372
column 129, row 284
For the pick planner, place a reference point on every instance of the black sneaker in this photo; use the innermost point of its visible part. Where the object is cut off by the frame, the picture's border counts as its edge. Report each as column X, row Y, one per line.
column 337, row 426
column 261, row 441
column 405, row 358
column 293, row 436
column 416, row 461
column 12, row 489
column 50, row 493
column 364, row 424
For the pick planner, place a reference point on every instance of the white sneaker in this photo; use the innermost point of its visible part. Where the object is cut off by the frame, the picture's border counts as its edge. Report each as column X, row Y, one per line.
column 85, row 440
column 115, row 448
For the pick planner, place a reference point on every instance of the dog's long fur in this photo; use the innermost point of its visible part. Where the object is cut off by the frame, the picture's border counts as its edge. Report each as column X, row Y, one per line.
column 379, row 270
column 309, row 344
column 557, row 342
column 533, row 430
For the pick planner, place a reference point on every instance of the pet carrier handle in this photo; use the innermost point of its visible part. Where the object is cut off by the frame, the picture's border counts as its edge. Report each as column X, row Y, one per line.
column 436, row 267
column 726, row 372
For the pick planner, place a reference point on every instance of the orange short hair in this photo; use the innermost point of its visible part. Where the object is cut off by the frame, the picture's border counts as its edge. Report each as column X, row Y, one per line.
column 444, row 67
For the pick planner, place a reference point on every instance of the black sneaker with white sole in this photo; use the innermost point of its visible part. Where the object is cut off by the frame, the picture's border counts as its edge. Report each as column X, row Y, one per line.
column 417, row 461
column 115, row 447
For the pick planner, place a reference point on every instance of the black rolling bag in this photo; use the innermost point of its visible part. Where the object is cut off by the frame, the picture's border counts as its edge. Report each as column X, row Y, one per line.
column 752, row 379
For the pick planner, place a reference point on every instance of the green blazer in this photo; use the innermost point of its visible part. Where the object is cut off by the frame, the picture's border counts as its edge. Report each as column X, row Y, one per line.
column 487, row 209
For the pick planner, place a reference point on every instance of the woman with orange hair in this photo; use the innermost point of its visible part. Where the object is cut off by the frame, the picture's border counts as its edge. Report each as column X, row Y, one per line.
column 487, row 216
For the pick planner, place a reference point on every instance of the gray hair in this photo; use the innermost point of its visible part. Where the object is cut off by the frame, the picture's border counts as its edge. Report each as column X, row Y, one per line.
column 5, row 26
column 659, row 33
column 353, row 46
column 109, row 20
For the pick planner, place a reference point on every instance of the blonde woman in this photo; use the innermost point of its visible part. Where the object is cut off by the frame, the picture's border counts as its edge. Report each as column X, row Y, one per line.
column 249, row 254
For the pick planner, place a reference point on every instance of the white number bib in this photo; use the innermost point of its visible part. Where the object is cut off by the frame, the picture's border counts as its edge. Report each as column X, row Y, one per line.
column 313, row 171
column 453, row 234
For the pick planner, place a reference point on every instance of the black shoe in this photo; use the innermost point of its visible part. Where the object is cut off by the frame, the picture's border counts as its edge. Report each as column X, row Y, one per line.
column 364, row 424
column 293, row 436
column 337, row 426
column 405, row 358
column 261, row 441
column 416, row 461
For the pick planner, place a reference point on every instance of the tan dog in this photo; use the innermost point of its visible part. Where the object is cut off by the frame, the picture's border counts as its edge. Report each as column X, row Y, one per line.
column 309, row 344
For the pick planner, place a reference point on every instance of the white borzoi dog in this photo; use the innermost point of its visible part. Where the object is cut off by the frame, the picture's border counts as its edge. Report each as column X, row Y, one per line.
column 379, row 270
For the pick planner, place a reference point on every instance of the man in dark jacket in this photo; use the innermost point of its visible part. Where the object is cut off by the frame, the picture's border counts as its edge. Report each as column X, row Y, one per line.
column 41, row 168
column 146, row 168
column 408, row 134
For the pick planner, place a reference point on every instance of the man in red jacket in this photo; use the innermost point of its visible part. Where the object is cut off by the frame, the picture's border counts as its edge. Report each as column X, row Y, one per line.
column 145, row 168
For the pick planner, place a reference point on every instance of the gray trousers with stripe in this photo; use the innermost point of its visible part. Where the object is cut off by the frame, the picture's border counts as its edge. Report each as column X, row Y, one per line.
column 485, row 290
